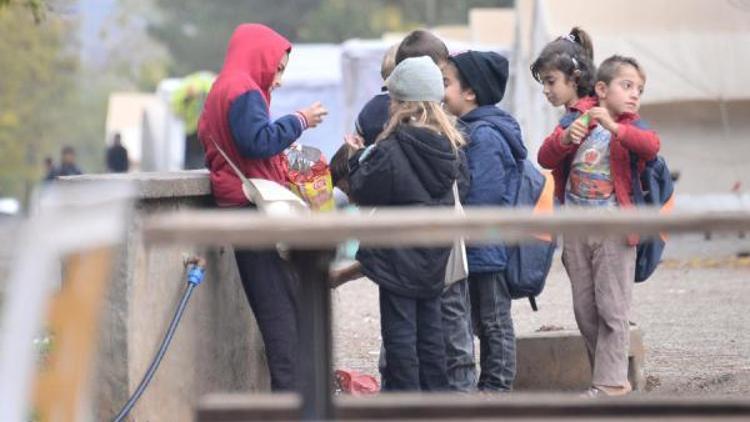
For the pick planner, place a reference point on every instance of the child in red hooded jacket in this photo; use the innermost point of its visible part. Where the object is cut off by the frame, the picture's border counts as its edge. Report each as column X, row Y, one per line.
column 236, row 117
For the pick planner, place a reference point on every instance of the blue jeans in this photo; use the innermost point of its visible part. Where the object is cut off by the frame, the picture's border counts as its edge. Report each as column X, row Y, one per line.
column 490, row 306
column 459, row 339
column 413, row 339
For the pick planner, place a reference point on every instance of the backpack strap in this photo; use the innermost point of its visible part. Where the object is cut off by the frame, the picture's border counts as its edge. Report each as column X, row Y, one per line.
column 532, row 302
column 568, row 118
column 638, row 196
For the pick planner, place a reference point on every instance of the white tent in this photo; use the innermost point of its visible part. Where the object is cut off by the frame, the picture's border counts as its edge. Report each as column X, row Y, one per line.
column 314, row 74
column 163, row 133
column 695, row 54
column 124, row 114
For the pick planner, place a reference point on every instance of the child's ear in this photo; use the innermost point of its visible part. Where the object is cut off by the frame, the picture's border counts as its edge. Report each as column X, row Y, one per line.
column 601, row 89
column 470, row 96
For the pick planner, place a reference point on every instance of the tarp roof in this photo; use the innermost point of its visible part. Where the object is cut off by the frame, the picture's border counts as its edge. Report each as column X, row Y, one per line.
column 691, row 49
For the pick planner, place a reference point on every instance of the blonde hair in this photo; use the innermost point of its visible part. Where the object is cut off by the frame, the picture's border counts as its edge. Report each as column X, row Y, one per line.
column 389, row 62
column 424, row 114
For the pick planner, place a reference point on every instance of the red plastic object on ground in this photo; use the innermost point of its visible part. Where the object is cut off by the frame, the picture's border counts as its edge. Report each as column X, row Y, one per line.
column 355, row 383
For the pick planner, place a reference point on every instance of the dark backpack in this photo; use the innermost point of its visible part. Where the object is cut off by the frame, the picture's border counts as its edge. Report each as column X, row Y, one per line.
column 652, row 187
column 529, row 263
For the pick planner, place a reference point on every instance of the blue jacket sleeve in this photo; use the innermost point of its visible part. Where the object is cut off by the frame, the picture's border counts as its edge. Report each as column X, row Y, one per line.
column 488, row 156
column 254, row 133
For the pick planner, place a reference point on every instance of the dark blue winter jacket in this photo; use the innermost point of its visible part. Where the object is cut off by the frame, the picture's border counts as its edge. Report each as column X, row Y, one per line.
column 411, row 167
column 494, row 150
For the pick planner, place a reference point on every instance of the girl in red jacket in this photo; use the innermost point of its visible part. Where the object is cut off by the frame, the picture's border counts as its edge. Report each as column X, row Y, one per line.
column 591, row 157
column 566, row 69
column 235, row 117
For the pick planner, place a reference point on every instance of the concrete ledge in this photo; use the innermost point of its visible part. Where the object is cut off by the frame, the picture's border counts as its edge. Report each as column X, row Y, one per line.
column 557, row 361
column 177, row 184
column 217, row 346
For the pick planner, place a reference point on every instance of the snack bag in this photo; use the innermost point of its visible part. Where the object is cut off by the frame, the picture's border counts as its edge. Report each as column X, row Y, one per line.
column 310, row 177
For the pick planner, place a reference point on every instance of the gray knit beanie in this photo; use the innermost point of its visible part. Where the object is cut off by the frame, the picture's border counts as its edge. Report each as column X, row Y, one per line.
column 416, row 79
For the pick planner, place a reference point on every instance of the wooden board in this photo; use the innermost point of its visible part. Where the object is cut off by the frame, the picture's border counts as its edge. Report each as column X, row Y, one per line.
column 419, row 226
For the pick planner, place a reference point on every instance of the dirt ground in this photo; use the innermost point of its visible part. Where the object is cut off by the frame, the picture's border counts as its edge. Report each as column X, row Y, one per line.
column 694, row 313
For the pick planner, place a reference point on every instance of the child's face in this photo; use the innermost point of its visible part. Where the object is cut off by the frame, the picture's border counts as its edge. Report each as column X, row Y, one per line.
column 458, row 101
column 623, row 94
column 558, row 88
column 279, row 72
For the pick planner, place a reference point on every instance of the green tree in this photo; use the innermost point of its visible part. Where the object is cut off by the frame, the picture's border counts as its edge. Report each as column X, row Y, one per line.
column 35, row 6
column 37, row 94
column 196, row 35
column 444, row 12
column 336, row 21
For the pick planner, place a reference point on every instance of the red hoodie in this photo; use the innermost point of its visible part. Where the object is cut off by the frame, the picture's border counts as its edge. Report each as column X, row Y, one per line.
column 558, row 157
column 236, row 117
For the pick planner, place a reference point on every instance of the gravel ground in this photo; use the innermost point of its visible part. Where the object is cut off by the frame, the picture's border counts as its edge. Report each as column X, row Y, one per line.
column 693, row 313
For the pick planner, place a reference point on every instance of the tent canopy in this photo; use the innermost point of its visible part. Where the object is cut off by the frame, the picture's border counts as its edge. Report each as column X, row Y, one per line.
column 690, row 50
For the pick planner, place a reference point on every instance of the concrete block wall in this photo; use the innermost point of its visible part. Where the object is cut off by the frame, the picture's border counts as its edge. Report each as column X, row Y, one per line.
column 557, row 361
column 216, row 348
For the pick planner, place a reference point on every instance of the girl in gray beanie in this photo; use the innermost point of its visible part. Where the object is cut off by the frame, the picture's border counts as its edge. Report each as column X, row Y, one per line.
column 414, row 162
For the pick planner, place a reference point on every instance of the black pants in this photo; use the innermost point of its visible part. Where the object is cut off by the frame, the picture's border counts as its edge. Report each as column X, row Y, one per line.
column 272, row 288
column 414, row 345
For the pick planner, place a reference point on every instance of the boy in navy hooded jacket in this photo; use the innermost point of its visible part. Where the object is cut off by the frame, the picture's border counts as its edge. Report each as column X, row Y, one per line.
column 474, row 83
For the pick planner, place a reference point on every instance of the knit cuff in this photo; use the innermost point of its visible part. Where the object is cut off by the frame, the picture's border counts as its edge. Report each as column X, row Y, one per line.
column 302, row 120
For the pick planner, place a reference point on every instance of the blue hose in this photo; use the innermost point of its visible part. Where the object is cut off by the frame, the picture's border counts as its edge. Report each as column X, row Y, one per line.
column 195, row 276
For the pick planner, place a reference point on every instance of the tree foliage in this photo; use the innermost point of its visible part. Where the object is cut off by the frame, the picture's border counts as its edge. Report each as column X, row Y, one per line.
column 36, row 7
column 39, row 104
column 196, row 35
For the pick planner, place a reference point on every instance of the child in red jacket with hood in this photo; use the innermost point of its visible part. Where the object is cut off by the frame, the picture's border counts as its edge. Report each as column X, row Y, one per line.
column 236, row 117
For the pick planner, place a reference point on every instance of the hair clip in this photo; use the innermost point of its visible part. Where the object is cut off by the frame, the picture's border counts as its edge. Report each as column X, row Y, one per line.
column 575, row 62
column 570, row 38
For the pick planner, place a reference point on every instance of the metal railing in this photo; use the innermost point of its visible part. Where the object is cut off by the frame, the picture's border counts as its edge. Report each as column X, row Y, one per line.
column 312, row 237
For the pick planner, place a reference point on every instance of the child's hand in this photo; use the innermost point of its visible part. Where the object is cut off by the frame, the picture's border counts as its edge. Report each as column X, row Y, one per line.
column 576, row 131
column 354, row 141
column 337, row 277
column 601, row 115
column 314, row 114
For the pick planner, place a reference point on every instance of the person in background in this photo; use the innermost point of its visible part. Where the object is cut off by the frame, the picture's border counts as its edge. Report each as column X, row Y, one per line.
column 49, row 168
column 117, row 156
column 68, row 166
column 187, row 103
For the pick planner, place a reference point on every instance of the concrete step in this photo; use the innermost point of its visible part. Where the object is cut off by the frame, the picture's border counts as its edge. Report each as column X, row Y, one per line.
column 557, row 361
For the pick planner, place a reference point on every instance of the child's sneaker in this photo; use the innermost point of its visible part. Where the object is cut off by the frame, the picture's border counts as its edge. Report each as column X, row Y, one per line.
column 593, row 392
column 606, row 391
